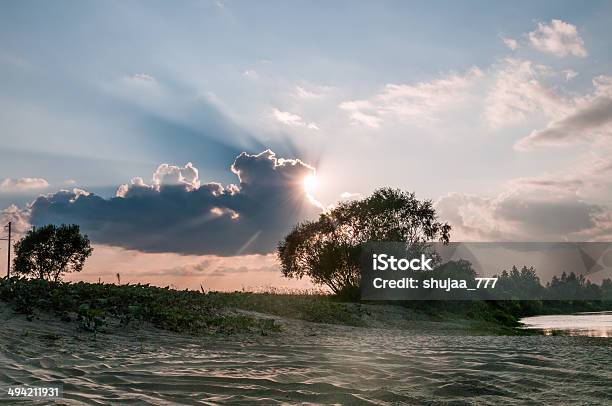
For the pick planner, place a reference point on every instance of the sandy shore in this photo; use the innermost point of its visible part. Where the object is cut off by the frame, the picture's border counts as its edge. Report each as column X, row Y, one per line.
column 430, row 362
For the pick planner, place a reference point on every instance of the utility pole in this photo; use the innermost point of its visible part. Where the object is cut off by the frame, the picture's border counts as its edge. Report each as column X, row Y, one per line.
column 8, row 253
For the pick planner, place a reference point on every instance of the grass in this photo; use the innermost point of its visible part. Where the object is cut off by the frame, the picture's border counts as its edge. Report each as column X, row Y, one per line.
column 318, row 308
column 95, row 306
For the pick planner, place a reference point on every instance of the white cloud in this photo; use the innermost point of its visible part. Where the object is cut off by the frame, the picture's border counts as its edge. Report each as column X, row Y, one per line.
column 511, row 43
column 293, row 120
column 288, row 118
column 418, row 103
column 20, row 220
column 519, row 91
column 558, row 38
column 303, row 93
column 140, row 79
column 311, row 91
column 23, row 184
column 569, row 74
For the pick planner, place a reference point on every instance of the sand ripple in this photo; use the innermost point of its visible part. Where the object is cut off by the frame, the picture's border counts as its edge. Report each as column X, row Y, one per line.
column 313, row 364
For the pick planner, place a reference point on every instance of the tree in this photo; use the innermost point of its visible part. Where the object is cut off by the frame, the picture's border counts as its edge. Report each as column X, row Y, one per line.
column 523, row 284
column 50, row 251
column 328, row 250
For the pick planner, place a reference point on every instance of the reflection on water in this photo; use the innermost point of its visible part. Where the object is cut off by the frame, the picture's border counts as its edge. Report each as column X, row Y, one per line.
column 597, row 324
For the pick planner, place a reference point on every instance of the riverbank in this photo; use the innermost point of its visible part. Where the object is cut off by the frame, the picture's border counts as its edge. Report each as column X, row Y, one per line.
column 103, row 308
column 119, row 344
column 428, row 362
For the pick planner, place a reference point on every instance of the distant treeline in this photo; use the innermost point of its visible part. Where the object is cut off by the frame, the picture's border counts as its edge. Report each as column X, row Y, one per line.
column 525, row 284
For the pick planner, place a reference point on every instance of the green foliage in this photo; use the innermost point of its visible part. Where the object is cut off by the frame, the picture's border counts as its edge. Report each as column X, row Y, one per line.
column 94, row 305
column 318, row 308
column 328, row 250
column 50, row 251
column 568, row 293
column 91, row 319
column 516, row 284
column 525, row 284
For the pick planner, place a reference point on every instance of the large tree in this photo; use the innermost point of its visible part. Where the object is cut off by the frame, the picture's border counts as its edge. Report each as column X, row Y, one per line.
column 328, row 250
column 50, row 251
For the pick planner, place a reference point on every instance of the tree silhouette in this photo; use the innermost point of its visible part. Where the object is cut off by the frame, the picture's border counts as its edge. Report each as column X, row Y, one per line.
column 328, row 250
column 520, row 284
column 50, row 251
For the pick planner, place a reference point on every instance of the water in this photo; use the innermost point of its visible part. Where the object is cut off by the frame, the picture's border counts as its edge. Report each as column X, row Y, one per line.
column 310, row 364
column 582, row 324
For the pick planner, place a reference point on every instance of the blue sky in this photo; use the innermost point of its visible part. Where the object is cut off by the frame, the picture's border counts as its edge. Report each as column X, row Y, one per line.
column 479, row 106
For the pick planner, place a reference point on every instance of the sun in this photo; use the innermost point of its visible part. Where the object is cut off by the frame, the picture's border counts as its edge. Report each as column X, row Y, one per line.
column 310, row 184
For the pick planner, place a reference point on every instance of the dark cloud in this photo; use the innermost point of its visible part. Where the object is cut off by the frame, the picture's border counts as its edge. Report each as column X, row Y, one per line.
column 176, row 214
column 522, row 215
column 591, row 119
column 554, row 217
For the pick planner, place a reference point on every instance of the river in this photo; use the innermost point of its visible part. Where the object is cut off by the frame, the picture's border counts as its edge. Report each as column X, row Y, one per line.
column 597, row 324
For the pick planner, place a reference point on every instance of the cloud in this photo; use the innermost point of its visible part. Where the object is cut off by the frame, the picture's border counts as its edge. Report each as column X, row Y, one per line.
column 311, row 92
column 293, row 120
column 19, row 220
column 359, row 117
column 594, row 118
column 174, row 175
column 417, row 103
column 591, row 117
column 304, row 93
column 548, row 218
column 519, row 91
column 184, row 271
column 142, row 80
column 214, row 267
column 557, row 38
column 588, row 179
column 511, row 43
column 572, row 204
column 569, row 74
column 176, row 213
column 23, row 184
column 521, row 215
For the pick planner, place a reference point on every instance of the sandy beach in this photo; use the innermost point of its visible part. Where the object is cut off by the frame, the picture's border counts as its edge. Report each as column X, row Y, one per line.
column 304, row 363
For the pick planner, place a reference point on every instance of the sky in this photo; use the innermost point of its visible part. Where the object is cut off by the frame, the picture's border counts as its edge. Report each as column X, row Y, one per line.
column 186, row 139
